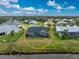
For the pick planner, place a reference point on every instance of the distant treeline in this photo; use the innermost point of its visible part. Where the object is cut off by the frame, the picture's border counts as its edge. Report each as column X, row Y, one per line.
column 38, row 18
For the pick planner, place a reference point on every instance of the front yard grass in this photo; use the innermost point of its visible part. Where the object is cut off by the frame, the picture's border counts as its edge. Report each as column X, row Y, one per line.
column 7, row 41
column 9, row 38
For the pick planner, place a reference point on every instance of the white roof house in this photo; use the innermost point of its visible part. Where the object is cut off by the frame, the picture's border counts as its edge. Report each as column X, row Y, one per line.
column 26, row 20
column 61, row 22
column 65, row 19
column 70, row 28
column 33, row 22
column 71, row 19
column 72, row 31
column 77, row 18
column 8, row 28
column 57, row 19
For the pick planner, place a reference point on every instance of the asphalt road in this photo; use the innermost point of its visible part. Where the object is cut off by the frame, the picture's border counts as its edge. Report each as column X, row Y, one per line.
column 41, row 56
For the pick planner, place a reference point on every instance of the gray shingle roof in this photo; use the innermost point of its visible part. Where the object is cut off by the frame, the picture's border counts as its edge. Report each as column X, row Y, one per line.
column 37, row 32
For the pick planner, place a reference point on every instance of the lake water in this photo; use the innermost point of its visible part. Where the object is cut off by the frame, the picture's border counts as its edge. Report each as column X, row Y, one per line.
column 8, row 28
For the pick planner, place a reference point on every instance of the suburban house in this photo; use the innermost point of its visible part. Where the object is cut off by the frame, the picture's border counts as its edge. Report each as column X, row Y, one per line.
column 6, row 29
column 30, row 22
column 12, row 22
column 57, row 19
column 26, row 21
column 59, row 23
column 41, row 32
column 72, row 31
column 33, row 22
column 49, row 22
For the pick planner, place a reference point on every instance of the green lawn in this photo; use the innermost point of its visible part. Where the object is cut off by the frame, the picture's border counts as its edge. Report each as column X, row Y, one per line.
column 24, row 44
column 62, row 45
column 7, row 42
column 9, row 38
column 41, row 24
column 56, row 45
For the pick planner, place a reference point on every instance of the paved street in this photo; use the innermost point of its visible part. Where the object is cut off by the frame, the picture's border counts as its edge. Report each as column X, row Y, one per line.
column 41, row 56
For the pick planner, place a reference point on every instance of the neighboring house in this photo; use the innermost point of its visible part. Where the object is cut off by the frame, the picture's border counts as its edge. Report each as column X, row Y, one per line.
column 41, row 32
column 77, row 18
column 50, row 21
column 6, row 29
column 57, row 20
column 13, row 22
column 65, row 19
column 16, row 22
column 62, row 22
column 30, row 22
column 72, row 31
column 33, row 22
column 26, row 22
column 71, row 19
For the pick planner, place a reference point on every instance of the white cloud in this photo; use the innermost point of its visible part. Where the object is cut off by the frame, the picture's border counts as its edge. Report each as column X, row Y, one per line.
column 7, row 4
column 2, row 11
column 58, row 10
column 51, row 3
column 29, row 9
column 14, row 1
column 17, row 12
column 21, row 11
column 54, row 4
column 4, row 3
column 4, row 0
column 41, row 11
column 32, row 10
column 58, row 7
column 16, row 6
column 71, row 7
column 9, row 1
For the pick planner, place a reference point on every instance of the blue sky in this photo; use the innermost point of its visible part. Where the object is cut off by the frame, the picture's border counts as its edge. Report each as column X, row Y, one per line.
column 39, row 7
